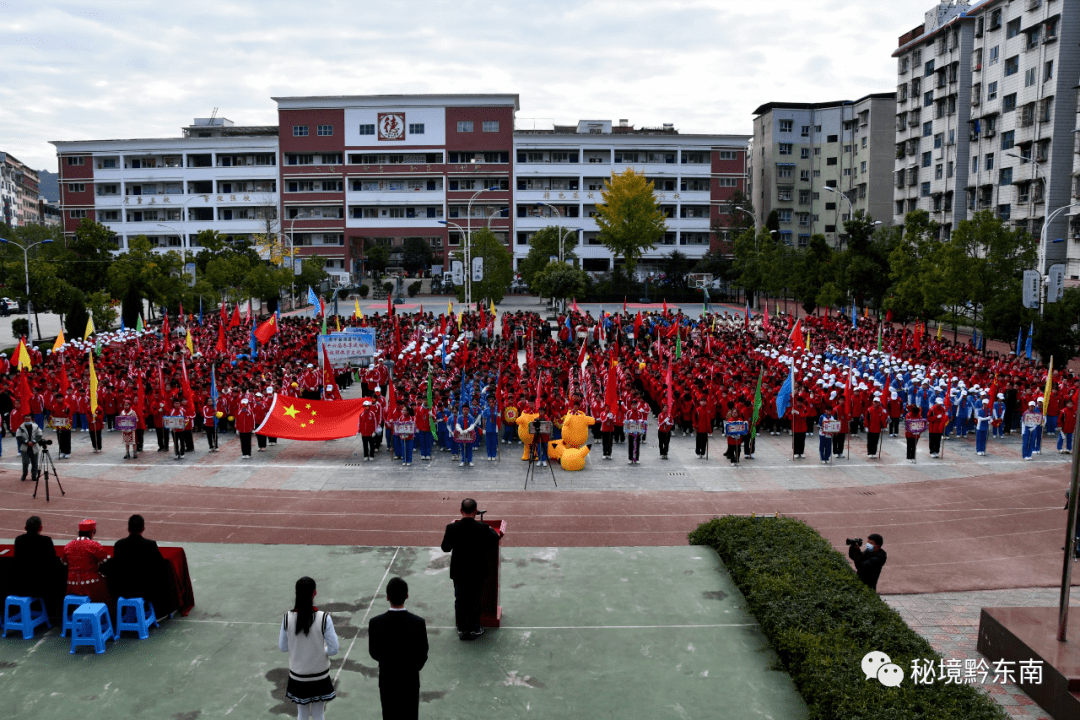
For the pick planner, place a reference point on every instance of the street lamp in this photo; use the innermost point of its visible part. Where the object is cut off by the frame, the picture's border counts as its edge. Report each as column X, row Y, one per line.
column 468, row 244
column 461, row 230
column 181, row 235
column 1046, row 215
column 559, row 214
column 184, row 220
column 26, row 269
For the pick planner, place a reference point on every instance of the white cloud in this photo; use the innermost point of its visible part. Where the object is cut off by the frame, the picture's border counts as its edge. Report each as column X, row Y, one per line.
column 124, row 69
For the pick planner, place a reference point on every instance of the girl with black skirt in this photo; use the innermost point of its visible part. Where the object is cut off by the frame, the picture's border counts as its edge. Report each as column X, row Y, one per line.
column 307, row 634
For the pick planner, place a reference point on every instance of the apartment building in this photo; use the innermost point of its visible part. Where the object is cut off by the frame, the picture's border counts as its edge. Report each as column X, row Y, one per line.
column 986, row 107
column 18, row 192
column 560, row 174
column 337, row 174
column 818, row 163
column 217, row 176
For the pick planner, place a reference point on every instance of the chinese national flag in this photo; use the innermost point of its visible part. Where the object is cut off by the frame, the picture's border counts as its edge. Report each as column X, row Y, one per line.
column 266, row 330
column 221, row 346
column 611, row 388
column 234, row 321
column 297, row 419
column 918, row 339
column 796, row 335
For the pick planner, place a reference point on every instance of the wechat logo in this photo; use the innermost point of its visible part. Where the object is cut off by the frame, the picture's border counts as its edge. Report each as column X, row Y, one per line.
column 878, row 665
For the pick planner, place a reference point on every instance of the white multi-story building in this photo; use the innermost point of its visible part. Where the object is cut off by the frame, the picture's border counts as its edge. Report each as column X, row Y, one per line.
column 216, row 177
column 985, row 116
column 817, row 163
column 559, row 175
column 18, row 192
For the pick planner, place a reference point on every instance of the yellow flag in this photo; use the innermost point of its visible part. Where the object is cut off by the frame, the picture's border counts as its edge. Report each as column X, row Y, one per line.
column 93, row 382
column 59, row 341
column 808, row 339
column 449, row 309
column 1049, row 385
column 492, row 308
column 89, row 327
column 459, row 320
column 338, row 323
column 190, row 345
column 356, row 308
column 22, row 356
column 939, row 331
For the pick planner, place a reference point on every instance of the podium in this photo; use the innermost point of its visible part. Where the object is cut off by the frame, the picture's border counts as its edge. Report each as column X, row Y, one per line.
column 490, row 610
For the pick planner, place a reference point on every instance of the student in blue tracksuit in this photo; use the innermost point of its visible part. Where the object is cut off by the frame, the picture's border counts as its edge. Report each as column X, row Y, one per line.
column 1028, row 446
column 491, row 429
column 825, row 439
column 997, row 416
column 465, row 422
column 982, row 427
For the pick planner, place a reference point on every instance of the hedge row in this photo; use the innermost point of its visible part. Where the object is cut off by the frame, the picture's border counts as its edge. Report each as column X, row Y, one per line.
column 821, row 620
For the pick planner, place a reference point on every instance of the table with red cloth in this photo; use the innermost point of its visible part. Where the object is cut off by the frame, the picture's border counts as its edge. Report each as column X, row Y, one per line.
column 179, row 596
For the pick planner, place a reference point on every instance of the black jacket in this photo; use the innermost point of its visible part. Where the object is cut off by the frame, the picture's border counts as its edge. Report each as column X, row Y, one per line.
column 397, row 640
column 868, row 564
column 137, row 568
column 38, row 570
column 470, row 543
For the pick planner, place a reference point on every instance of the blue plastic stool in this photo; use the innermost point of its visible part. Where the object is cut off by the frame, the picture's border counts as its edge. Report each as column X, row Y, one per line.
column 69, row 602
column 136, row 615
column 91, row 625
column 25, row 618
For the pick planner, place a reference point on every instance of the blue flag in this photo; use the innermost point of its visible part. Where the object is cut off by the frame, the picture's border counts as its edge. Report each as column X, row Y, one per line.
column 854, row 317
column 200, row 310
column 1019, row 340
column 783, row 398
column 122, row 322
column 443, row 352
column 312, row 298
column 1027, row 347
column 213, row 387
column 252, row 344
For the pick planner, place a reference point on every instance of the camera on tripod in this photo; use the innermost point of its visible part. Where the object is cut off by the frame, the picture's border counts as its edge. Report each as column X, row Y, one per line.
column 855, row 541
column 46, row 442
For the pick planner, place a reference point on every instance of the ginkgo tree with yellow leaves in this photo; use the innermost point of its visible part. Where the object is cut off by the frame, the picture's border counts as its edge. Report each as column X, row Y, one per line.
column 630, row 218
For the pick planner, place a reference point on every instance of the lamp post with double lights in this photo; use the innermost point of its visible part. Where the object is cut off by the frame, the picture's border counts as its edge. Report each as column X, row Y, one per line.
column 26, row 270
column 468, row 244
column 1046, row 214
column 461, row 231
column 184, row 220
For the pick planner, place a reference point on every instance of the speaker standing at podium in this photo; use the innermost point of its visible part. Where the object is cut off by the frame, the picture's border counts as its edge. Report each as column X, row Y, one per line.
column 469, row 543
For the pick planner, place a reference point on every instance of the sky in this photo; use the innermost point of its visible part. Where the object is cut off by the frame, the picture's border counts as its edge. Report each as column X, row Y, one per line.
column 113, row 69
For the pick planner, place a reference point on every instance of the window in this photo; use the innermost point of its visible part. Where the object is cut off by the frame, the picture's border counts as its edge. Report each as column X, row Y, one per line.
column 995, row 19
column 817, row 173
column 367, row 129
column 787, row 125
column 75, row 160
column 952, row 136
column 1045, row 108
column 990, row 161
column 927, row 129
column 1004, row 212
column 76, row 187
column 938, row 140
column 1005, row 176
column 993, row 55
column 785, row 148
column 1012, row 29
column 76, row 214
column 1007, row 139
column 325, row 130
column 864, row 141
column 974, row 163
column 805, row 131
column 830, row 161
column 804, row 153
column 783, row 216
column 1008, row 102
column 1012, row 65
column 416, row 128
column 299, row 130
column 490, row 126
column 862, row 167
column 1048, row 70
column 939, row 171
column 300, row 159
column 847, row 148
column 727, row 155
column 928, row 98
column 1029, row 77
column 928, row 69
column 926, row 159
column 949, row 169
column 991, row 90
column 464, row 126
column 924, row 190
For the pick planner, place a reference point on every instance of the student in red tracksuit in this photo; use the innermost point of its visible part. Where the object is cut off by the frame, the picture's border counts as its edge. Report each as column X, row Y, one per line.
column 369, row 423
column 840, row 413
column 896, row 411
column 96, row 421
column 799, row 411
column 734, row 442
column 245, row 425
column 938, row 419
column 877, row 419
column 607, row 430
column 209, row 416
column 912, row 438
column 702, row 427
column 664, row 425
column 259, row 409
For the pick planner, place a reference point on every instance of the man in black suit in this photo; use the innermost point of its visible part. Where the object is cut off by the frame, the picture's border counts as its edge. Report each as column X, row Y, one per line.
column 38, row 570
column 397, row 640
column 137, row 568
column 470, row 543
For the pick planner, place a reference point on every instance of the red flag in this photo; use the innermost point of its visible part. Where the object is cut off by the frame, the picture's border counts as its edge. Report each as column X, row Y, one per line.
column 847, row 392
column 575, row 305
column 224, row 315
column 797, row 336
column 611, row 391
column 250, row 315
column 765, row 322
column 24, row 395
column 665, row 306
column 327, row 370
column 165, row 328
column 296, row 419
column 221, row 346
column 624, row 305
column 140, row 397
column 266, row 330
column 389, row 304
column 185, row 386
column 235, row 320
column 637, row 325
column 917, row 337
column 670, row 400
column 160, row 382
column 581, row 354
column 391, row 401
column 64, row 382
column 888, row 315
column 464, row 355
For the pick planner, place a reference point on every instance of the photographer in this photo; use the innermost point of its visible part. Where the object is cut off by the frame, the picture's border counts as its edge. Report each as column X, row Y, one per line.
column 29, row 437
column 868, row 559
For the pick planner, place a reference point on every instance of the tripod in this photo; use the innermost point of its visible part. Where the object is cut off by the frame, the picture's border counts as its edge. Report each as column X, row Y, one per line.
column 534, row 457
column 46, row 465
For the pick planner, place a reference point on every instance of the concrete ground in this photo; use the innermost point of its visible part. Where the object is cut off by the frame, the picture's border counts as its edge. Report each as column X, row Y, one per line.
column 597, row 632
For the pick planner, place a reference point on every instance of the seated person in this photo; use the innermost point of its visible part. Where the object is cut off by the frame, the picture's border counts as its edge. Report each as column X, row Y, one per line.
column 38, row 570
column 137, row 568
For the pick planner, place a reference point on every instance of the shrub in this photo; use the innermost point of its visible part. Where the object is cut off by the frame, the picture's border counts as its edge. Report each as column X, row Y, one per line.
column 343, row 293
column 389, row 288
column 821, row 620
column 414, row 288
column 20, row 327
column 363, row 290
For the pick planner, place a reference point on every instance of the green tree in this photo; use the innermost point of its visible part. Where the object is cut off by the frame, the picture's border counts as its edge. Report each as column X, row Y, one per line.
column 675, row 267
column 376, row 258
column 89, row 255
column 561, row 281
column 265, row 282
column 498, row 267
column 1057, row 333
column 416, row 255
column 813, row 271
column 101, row 307
column 908, row 263
column 543, row 246
column 142, row 274
column 629, row 218
column 311, row 275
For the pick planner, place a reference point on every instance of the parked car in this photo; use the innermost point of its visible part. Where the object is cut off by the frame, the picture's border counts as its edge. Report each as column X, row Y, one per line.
column 8, row 306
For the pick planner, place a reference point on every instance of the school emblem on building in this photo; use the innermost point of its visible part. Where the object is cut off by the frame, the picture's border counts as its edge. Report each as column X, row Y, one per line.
column 391, row 126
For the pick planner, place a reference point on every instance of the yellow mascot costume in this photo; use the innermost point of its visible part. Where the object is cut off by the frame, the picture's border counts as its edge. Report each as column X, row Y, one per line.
column 570, row 451
column 524, row 435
